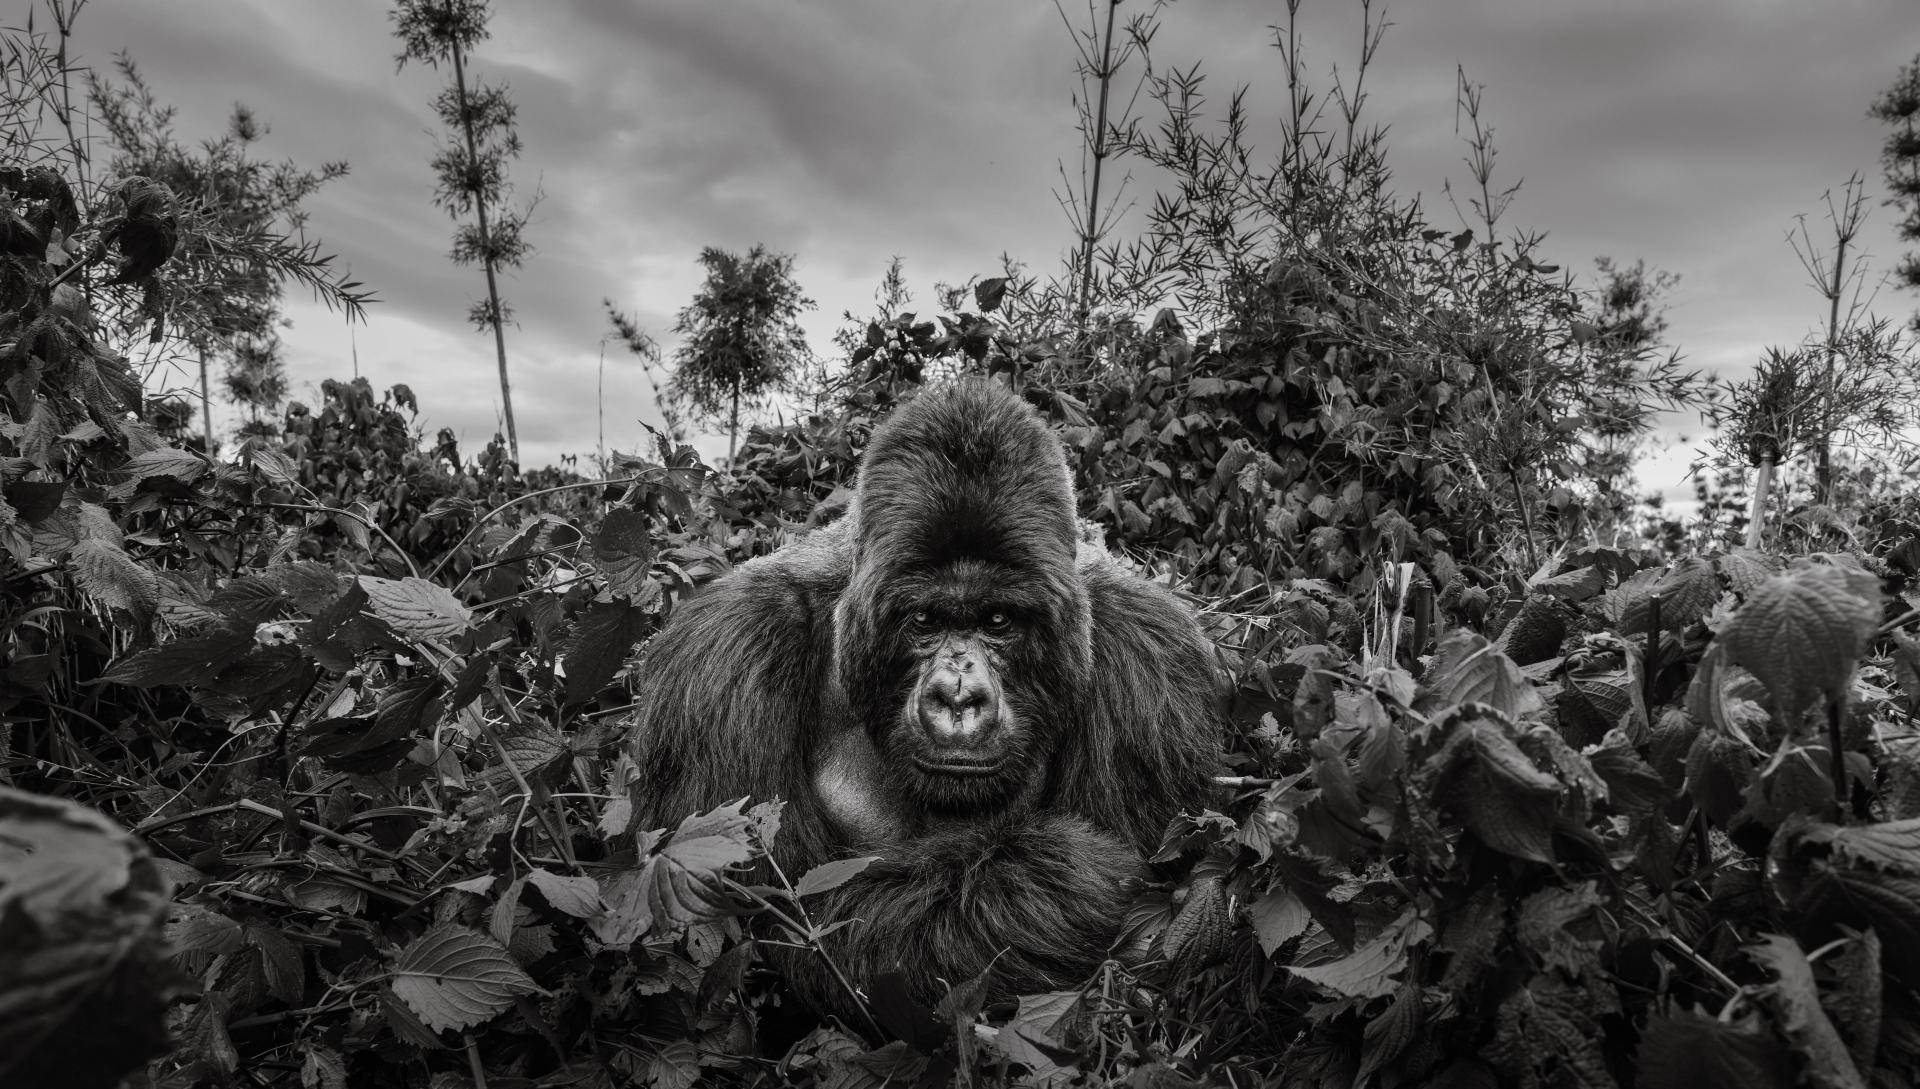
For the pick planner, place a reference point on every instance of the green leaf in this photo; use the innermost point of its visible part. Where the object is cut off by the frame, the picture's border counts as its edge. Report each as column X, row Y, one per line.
column 1369, row 971
column 676, row 1065
column 1480, row 773
column 1795, row 1000
column 1719, row 769
column 110, row 576
column 1893, row 845
column 989, row 293
column 455, row 978
column 1467, row 668
column 1855, row 1003
column 1801, row 633
column 683, row 883
column 1688, row 1050
column 83, row 977
column 415, row 608
column 195, row 659
column 832, row 875
column 577, row 896
column 623, row 552
column 169, row 461
column 602, row 638
column 1278, row 917
column 686, row 885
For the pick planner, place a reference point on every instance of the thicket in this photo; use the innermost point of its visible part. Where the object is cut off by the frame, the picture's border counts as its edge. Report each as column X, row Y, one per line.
column 311, row 755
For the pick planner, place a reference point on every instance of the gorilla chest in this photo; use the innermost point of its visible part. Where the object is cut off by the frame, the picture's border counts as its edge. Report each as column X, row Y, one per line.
column 846, row 782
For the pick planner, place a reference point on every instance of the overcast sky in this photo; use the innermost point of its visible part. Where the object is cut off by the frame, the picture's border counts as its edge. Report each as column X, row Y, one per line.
column 1688, row 133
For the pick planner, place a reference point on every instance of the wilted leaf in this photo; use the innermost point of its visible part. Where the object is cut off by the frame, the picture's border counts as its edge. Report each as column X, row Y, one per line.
column 455, row 978
column 415, row 608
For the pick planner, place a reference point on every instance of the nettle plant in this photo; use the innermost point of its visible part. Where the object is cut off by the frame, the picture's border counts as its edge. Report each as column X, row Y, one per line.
column 1580, row 856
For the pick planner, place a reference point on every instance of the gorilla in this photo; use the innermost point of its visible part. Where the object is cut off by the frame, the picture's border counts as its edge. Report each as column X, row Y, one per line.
column 950, row 678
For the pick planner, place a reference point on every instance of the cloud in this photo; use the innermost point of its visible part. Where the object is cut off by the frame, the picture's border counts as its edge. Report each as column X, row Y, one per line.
column 845, row 133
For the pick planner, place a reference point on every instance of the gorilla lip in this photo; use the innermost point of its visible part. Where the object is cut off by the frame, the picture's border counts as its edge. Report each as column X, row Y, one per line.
column 958, row 767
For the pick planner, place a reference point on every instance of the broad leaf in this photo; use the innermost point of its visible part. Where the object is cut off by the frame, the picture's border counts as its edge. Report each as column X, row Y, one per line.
column 1801, row 633
column 83, row 975
column 1369, row 971
column 1470, row 669
column 1795, row 1000
column 109, row 576
column 1480, row 773
column 1278, row 917
column 577, row 896
column 455, row 978
column 602, row 638
column 415, row 608
column 623, row 551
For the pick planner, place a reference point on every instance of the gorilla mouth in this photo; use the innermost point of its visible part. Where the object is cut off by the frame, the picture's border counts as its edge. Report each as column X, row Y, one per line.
column 959, row 767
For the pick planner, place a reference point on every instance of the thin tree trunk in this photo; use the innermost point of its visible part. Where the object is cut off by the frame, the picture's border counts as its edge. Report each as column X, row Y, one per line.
column 1824, row 476
column 1091, row 235
column 206, row 403
column 486, row 261
column 1762, row 489
column 1526, row 518
column 733, row 425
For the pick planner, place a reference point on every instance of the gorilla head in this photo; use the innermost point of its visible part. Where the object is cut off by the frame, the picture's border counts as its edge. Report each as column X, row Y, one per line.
column 963, row 642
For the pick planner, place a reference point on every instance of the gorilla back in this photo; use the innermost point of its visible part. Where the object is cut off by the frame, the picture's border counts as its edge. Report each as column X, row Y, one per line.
column 949, row 678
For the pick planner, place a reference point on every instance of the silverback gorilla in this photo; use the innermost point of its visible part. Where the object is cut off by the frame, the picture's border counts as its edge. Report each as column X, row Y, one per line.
column 948, row 678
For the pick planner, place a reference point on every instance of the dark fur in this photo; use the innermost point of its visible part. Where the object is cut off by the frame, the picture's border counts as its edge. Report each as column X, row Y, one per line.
column 1114, row 723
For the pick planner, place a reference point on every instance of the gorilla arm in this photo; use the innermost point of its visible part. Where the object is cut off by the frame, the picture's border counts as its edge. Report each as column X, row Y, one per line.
column 731, row 697
column 1150, row 741
column 1038, row 899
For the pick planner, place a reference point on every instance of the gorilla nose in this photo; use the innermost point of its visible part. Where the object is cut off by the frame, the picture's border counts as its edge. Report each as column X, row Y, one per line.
column 957, row 708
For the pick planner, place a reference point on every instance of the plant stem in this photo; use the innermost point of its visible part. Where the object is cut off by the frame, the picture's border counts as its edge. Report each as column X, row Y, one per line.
column 1836, row 714
column 1824, row 477
column 206, row 403
column 486, row 253
column 1526, row 518
column 733, row 424
column 1091, row 234
column 1762, row 489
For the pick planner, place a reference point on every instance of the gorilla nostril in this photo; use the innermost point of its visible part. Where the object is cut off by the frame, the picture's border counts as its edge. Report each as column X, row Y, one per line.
column 956, row 712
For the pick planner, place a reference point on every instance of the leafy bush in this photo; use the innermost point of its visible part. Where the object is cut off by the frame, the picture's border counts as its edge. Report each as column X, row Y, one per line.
column 1628, row 821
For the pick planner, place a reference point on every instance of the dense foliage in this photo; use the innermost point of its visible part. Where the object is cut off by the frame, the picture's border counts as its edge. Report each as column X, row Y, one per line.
column 310, row 762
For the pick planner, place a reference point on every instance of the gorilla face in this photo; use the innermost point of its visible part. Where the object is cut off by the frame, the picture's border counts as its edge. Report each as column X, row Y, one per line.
column 963, row 637
column 969, row 734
